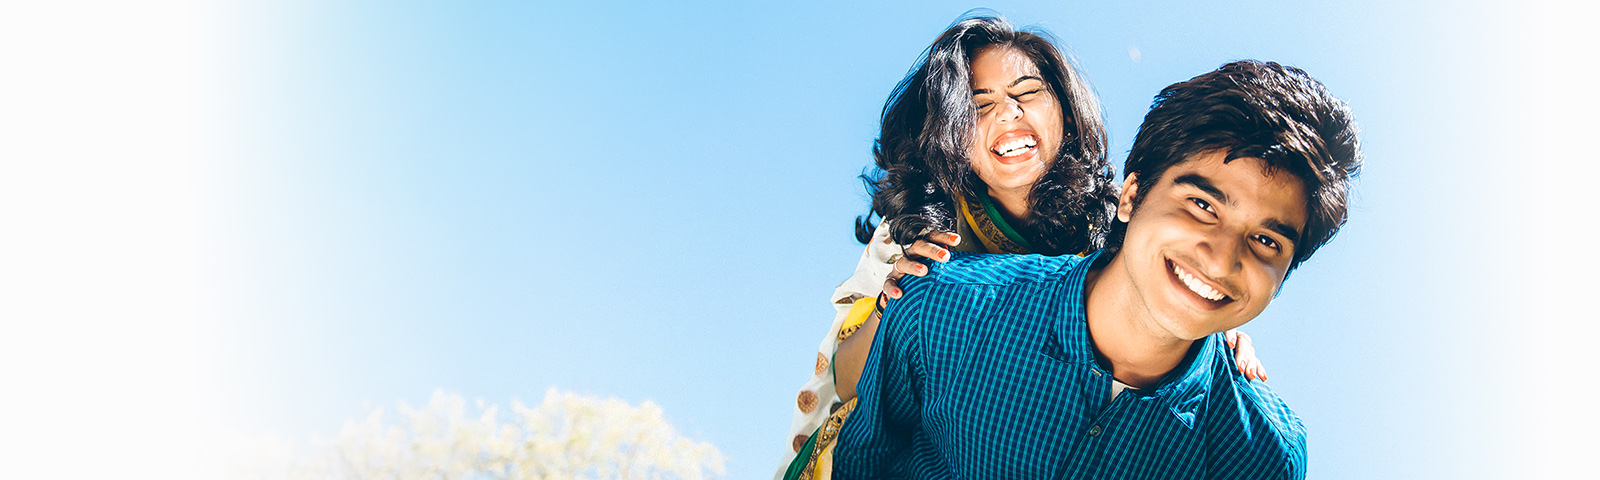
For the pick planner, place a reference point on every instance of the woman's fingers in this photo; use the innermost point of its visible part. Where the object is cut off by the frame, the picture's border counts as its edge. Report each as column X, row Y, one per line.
column 1245, row 348
column 946, row 239
column 891, row 285
column 907, row 266
column 1252, row 369
column 928, row 250
column 1244, row 355
column 902, row 267
column 933, row 247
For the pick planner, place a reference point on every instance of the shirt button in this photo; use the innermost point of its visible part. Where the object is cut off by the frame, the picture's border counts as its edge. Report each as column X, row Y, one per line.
column 1094, row 431
column 1096, row 371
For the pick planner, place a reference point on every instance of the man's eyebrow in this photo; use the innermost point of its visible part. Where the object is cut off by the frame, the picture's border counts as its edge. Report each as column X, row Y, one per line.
column 1283, row 229
column 1204, row 184
column 1019, row 81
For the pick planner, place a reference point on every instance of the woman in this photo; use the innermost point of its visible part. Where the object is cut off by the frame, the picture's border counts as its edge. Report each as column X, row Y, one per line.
column 994, row 143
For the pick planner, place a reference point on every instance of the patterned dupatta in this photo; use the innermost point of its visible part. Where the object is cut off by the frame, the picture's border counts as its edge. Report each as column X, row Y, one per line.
column 815, row 458
column 996, row 236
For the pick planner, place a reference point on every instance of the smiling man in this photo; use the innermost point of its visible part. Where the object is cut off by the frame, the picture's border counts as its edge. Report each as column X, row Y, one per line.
column 1111, row 365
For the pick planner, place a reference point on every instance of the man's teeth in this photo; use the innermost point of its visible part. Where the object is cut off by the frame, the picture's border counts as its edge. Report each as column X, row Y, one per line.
column 1198, row 287
column 1015, row 147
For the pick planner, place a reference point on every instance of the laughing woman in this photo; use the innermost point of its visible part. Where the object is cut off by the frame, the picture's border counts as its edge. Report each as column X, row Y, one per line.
column 994, row 143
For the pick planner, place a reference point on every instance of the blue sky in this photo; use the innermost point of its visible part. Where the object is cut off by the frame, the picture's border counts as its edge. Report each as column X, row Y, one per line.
column 263, row 216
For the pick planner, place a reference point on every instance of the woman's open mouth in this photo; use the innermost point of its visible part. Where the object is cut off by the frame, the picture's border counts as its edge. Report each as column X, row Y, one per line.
column 1015, row 147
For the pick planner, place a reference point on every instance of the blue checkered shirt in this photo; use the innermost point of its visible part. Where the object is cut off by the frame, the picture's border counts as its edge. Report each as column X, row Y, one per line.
column 985, row 369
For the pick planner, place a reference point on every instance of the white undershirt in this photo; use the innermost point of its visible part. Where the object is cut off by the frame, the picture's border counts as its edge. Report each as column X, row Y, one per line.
column 1117, row 387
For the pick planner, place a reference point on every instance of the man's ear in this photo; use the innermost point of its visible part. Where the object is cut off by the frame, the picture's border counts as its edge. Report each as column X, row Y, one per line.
column 1130, row 189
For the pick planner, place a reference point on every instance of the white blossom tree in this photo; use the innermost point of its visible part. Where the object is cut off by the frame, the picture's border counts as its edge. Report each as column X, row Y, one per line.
column 567, row 436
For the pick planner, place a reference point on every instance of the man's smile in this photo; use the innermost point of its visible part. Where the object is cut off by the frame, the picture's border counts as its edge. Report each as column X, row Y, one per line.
column 1198, row 285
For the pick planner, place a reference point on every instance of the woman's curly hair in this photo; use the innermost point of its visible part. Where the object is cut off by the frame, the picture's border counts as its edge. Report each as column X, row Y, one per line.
column 922, row 151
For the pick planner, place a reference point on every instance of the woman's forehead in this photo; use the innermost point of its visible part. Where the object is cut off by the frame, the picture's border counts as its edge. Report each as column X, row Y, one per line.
column 1002, row 64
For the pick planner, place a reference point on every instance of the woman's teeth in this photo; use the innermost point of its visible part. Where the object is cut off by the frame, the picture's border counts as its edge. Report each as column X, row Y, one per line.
column 1195, row 285
column 1015, row 147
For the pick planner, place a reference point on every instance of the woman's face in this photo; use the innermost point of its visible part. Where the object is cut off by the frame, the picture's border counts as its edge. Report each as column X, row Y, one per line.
column 1018, row 124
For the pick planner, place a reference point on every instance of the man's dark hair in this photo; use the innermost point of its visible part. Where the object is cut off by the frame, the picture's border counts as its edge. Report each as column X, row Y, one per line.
column 1255, row 109
column 922, row 151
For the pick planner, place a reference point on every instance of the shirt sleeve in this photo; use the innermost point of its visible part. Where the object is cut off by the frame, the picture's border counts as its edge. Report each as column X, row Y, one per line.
column 879, row 432
column 1259, row 437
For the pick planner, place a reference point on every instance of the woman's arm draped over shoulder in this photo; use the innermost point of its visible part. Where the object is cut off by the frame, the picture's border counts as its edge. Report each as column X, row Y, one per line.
column 888, row 407
column 854, row 347
column 815, row 398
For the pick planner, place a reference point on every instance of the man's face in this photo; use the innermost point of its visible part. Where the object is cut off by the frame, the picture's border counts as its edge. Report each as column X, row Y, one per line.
column 1211, row 242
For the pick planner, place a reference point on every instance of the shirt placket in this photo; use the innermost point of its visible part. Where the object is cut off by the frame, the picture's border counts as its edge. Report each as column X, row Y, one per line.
column 1092, row 444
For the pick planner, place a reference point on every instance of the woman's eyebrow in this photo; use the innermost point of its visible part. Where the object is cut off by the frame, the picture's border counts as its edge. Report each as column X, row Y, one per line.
column 1026, row 78
column 1018, row 81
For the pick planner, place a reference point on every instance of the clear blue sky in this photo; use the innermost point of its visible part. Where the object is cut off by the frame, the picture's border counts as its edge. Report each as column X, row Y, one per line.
column 378, row 199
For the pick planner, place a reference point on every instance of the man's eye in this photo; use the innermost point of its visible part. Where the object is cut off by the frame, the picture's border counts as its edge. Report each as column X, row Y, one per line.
column 984, row 107
column 1202, row 204
column 1268, row 241
column 1028, row 95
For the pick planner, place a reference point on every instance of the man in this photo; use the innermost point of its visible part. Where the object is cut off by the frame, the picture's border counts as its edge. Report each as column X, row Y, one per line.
column 1111, row 365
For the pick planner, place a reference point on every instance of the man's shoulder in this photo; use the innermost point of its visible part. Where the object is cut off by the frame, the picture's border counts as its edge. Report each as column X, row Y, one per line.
column 1251, row 428
column 993, row 269
column 955, row 292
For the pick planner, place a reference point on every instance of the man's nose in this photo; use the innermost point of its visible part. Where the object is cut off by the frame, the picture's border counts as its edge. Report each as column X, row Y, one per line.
column 1222, row 252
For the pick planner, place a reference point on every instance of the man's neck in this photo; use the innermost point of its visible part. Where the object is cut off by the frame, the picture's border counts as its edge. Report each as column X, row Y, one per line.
column 1123, row 331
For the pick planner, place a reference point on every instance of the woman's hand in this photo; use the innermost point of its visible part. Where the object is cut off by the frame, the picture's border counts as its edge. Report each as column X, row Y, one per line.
column 851, row 356
column 1244, row 355
column 935, row 246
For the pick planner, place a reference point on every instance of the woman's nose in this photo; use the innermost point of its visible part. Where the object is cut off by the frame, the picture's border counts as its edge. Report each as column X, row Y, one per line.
column 1010, row 109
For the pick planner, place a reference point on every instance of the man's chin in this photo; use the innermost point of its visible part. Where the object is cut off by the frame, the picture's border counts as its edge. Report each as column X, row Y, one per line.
column 1192, row 332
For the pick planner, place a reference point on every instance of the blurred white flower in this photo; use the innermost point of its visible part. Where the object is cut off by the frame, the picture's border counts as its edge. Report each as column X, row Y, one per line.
column 567, row 436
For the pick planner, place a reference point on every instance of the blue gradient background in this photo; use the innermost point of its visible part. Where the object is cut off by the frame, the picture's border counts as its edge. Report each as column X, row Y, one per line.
column 377, row 199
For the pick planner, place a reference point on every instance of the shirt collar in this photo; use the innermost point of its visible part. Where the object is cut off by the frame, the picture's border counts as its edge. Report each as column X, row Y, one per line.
column 1194, row 372
column 1072, row 329
column 1188, row 378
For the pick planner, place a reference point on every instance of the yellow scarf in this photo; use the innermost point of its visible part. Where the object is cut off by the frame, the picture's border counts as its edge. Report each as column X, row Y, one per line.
column 993, row 233
column 815, row 460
